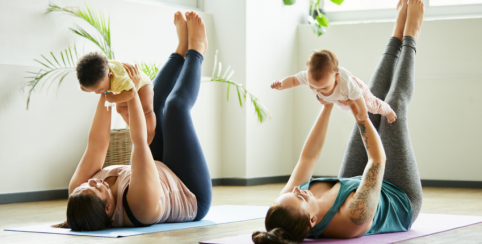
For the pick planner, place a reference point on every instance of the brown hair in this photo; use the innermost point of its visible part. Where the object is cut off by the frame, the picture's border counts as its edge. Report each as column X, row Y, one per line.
column 320, row 61
column 283, row 226
column 86, row 212
column 91, row 68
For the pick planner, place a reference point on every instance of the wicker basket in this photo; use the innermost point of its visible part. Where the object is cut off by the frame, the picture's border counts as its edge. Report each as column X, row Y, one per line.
column 120, row 146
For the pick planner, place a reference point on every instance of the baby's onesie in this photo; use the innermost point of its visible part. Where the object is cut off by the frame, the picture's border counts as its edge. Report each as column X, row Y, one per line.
column 349, row 88
column 120, row 79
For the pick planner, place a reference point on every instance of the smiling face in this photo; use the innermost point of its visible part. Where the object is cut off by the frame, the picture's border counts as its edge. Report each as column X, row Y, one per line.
column 101, row 189
column 100, row 86
column 302, row 200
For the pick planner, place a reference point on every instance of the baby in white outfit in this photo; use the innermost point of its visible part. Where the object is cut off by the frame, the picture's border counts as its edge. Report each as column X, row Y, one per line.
column 333, row 84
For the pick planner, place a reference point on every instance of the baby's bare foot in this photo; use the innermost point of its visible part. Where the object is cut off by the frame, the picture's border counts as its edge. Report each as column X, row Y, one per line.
column 391, row 117
column 415, row 11
column 181, row 28
column 196, row 32
column 401, row 19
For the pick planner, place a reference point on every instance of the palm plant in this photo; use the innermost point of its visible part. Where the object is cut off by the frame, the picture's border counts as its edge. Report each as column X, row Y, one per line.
column 260, row 110
column 52, row 70
column 96, row 18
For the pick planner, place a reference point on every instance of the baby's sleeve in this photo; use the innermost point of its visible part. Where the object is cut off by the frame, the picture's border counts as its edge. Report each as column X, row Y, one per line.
column 302, row 77
column 121, row 81
column 124, row 84
column 354, row 91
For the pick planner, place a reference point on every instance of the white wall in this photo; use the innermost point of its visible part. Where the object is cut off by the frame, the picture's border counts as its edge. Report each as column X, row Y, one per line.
column 40, row 148
column 262, row 41
column 258, row 39
column 445, row 112
column 229, row 21
column 271, row 54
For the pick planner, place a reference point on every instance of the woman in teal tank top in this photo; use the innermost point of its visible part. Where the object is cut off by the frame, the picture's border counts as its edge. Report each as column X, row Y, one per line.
column 378, row 189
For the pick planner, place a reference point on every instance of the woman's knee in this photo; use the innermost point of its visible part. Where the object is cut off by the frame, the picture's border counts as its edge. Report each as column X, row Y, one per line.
column 203, row 206
column 174, row 104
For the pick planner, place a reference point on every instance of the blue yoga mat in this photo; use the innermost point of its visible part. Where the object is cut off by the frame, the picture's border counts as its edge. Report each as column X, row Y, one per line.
column 217, row 215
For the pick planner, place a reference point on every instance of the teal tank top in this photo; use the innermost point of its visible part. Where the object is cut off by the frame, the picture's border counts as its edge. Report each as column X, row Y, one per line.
column 393, row 214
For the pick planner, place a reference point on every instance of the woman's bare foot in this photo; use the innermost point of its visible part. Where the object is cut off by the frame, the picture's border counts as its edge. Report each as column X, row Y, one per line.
column 401, row 18
column 413, row 27
column 196, row 32
column 391, row 117
column 181, row 28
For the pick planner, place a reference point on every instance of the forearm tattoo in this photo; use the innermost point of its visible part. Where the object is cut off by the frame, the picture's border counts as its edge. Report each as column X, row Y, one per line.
column 362, row 129
column 366, row 201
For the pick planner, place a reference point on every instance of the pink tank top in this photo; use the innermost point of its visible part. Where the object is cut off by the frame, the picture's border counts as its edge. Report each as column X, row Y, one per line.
column 177, row 201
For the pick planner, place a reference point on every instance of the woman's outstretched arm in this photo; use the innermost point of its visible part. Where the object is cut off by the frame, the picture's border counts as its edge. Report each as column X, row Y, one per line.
column 144, row 188
column 363, row 204
column 311, row 150
column 97, row 145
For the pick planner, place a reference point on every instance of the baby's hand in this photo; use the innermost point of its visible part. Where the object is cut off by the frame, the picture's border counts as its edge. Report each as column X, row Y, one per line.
column 362, row 116
column 109, row 97
column 277, row 85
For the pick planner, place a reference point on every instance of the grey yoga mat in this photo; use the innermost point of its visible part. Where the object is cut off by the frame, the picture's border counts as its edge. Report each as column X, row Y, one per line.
column 217, row 215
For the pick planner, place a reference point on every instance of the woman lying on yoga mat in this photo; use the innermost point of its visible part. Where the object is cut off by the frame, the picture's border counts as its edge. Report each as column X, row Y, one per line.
column 149, row 191
column 379, row 187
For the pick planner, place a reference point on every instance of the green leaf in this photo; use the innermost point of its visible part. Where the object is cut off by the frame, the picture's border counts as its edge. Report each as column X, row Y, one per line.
column 50, row 73
column 229, row 85
column 322, row 20
column 215, row 63
column 289, row 2
column 239, row 96
column 316, row 27
column 338, row 2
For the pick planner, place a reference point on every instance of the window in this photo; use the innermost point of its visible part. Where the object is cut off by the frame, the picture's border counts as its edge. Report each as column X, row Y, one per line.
column 187, row 4
column 350, row 5
column 453, row 2
column 373, row 10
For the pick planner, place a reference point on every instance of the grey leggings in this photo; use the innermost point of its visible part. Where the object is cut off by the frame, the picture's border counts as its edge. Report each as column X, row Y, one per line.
column 393, row 81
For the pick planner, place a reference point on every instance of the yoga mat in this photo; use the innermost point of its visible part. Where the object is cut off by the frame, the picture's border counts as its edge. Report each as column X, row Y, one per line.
column 426, row 224
column 217, row 215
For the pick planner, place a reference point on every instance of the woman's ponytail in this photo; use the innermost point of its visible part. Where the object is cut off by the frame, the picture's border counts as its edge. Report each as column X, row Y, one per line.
column 274, row 236
column 284, row 225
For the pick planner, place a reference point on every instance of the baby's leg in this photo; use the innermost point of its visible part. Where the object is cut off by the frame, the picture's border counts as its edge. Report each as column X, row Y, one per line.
column 146, row 95
column 123, row 110
column 377, row 106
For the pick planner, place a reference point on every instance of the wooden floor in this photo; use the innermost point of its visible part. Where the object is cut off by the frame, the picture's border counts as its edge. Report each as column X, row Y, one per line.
column 436, row 200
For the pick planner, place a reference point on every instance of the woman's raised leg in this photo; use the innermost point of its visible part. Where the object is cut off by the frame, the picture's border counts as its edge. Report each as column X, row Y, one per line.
column 182, row 151
column 355, row 158
column 165, row 81
column 401, row 166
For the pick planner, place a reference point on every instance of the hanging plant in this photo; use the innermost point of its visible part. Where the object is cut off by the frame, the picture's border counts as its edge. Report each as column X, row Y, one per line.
column 317, row 18
column 56, row 68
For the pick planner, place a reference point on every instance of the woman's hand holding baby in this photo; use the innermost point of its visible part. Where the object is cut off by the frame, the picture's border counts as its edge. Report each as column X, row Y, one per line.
column 110, row 97
column 323, row 102
column 133, row 72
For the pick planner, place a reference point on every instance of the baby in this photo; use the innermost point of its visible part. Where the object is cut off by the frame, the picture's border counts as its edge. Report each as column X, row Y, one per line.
column 332, row 84
column 97, row 74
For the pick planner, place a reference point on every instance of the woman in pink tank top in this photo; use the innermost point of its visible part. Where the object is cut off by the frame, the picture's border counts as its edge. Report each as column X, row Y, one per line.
column 149, row 191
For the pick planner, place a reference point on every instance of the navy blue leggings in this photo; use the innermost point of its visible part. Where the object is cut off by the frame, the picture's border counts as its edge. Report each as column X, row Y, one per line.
column 176, row 88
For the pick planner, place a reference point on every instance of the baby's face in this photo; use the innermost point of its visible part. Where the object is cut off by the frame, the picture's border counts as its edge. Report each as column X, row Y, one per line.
column 324, row 85
column 101, row 86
